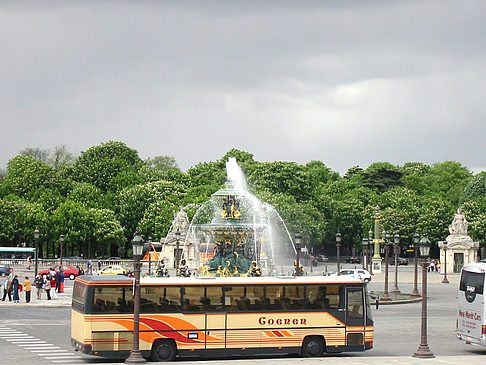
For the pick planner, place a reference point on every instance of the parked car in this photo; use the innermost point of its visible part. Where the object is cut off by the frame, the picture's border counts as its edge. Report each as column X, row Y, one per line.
column 113, row 270
column 114, row 258
column 361, row 274
column 322, row 258
column 69, row 271
column 353, row 260
column 400, row 260
column 4, row 269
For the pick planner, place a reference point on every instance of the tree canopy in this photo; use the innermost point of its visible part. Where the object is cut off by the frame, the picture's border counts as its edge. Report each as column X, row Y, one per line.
column 99, row 198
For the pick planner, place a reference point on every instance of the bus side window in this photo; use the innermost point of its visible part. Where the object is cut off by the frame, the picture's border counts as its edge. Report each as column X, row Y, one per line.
column 191, row 298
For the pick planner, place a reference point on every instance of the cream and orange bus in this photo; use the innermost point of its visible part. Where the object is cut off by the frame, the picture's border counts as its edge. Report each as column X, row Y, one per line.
column 214, row 317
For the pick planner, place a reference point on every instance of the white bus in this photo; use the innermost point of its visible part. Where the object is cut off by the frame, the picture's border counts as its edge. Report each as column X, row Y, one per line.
column 471, row 314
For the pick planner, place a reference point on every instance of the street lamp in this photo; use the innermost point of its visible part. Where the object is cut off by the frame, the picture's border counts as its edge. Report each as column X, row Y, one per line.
column 443, row 245
column 36, row 244
column 297, row 243
column 150, row 255
column 338, row 247
column 385, row 291
column 364, row 243
column 423, row 350
column 61, row 244
column 178, row 239
column 370, row 243
column 416, row 240
column 396, row 243
column 137, row 247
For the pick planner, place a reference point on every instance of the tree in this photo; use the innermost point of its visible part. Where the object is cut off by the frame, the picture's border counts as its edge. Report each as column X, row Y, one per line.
column 162, row 163
column 475, row 188
column 108, row 166
column 60, row 157
column 381, row 176
column 281, row 177
column 26, row 174
column 37, row 153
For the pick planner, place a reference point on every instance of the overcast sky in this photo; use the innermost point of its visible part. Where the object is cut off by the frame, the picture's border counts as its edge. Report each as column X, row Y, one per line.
column 345, row 82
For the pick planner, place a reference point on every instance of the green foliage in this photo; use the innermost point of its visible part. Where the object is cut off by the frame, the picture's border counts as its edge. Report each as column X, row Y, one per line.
column 108, row 166
column 381, row 176
column 282, row 178
column 475, row 188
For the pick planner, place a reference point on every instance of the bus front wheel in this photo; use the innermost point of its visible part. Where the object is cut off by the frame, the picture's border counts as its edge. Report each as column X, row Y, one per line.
column 313, row 346
column 163, row 350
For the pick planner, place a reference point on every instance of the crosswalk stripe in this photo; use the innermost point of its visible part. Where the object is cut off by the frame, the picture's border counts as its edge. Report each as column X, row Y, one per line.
column 30, row 343
column 61, row 357
column 49, row 351
column 38, row 347
column 26, row 338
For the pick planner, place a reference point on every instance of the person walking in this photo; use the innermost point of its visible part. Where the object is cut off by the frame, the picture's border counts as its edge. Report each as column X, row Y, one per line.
column 7, row 289
column 47, row 287
column 53, row 287
column 58, row 280
column 27, row 289
column 29, row 262
column 62, row 282
column 38, row 285
column 15, row 289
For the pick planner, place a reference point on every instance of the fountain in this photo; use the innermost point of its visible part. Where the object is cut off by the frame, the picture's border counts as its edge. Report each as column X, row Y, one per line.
column 238, row 235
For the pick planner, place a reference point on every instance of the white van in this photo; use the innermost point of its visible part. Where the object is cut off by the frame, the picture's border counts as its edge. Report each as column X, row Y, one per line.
column 471, row 313
column 361, row 274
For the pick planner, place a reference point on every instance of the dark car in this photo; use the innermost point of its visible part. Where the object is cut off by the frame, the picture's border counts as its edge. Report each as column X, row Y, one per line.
column 401, row 261
column 353, row 260
column 322, row 258
column 4, row 269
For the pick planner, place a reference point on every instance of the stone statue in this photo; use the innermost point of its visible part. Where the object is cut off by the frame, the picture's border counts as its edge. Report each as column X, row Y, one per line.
column 459, row 224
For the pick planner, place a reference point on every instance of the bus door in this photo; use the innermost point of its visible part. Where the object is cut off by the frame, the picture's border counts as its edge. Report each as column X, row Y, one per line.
column 355, row 316
column 215, row 321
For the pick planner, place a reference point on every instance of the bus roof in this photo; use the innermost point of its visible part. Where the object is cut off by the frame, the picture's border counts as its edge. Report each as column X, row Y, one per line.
column 475, row 267
column 207, row 280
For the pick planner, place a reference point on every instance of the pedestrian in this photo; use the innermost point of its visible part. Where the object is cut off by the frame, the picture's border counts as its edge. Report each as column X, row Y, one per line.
column 7, row 289
column 47, row 287
column 15, row 289
column 89, row 268
column 29, row 262
column 80, row 271
column 38, row 285
column 99, row 265
column 53, row 287
column 62, row 281
column 27, row 289
column 58, row 280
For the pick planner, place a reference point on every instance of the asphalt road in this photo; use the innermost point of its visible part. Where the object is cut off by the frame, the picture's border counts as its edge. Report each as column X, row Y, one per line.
column 41, row 335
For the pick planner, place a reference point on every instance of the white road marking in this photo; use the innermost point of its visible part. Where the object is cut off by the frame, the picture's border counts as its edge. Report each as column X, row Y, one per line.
column 26, row 338
column 49, row 351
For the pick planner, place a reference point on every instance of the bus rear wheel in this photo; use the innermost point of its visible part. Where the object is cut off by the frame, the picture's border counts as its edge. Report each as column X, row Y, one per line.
column 163, row 350
column 313, row 346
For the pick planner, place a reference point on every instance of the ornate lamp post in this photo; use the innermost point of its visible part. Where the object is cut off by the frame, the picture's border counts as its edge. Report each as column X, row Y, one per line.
column 137, row 246
column 364, row 243
column 36, row 244
column 150, row 255
column 443, row 245
column 370, row 248
column 396, row 243
column 61, row 244
column 178, row 239
column 385, row 291
column 297, row 242
column 423, row 350
column 338, row 247
column 416, row 240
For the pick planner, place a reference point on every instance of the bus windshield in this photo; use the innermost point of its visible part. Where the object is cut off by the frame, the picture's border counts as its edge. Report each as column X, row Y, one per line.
column 472, row 282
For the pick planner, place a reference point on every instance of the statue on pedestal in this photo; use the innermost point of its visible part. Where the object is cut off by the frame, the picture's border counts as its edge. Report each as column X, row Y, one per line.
column 459, row 224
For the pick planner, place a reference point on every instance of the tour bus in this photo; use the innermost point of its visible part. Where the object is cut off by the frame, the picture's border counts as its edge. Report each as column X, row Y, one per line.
column 222, row 316
column 471, row 314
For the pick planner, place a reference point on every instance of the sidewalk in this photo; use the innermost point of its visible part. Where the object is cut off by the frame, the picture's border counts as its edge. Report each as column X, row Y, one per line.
column 63, row 299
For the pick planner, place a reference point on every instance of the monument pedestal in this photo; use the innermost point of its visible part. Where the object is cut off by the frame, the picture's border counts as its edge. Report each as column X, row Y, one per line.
column 376, row 262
